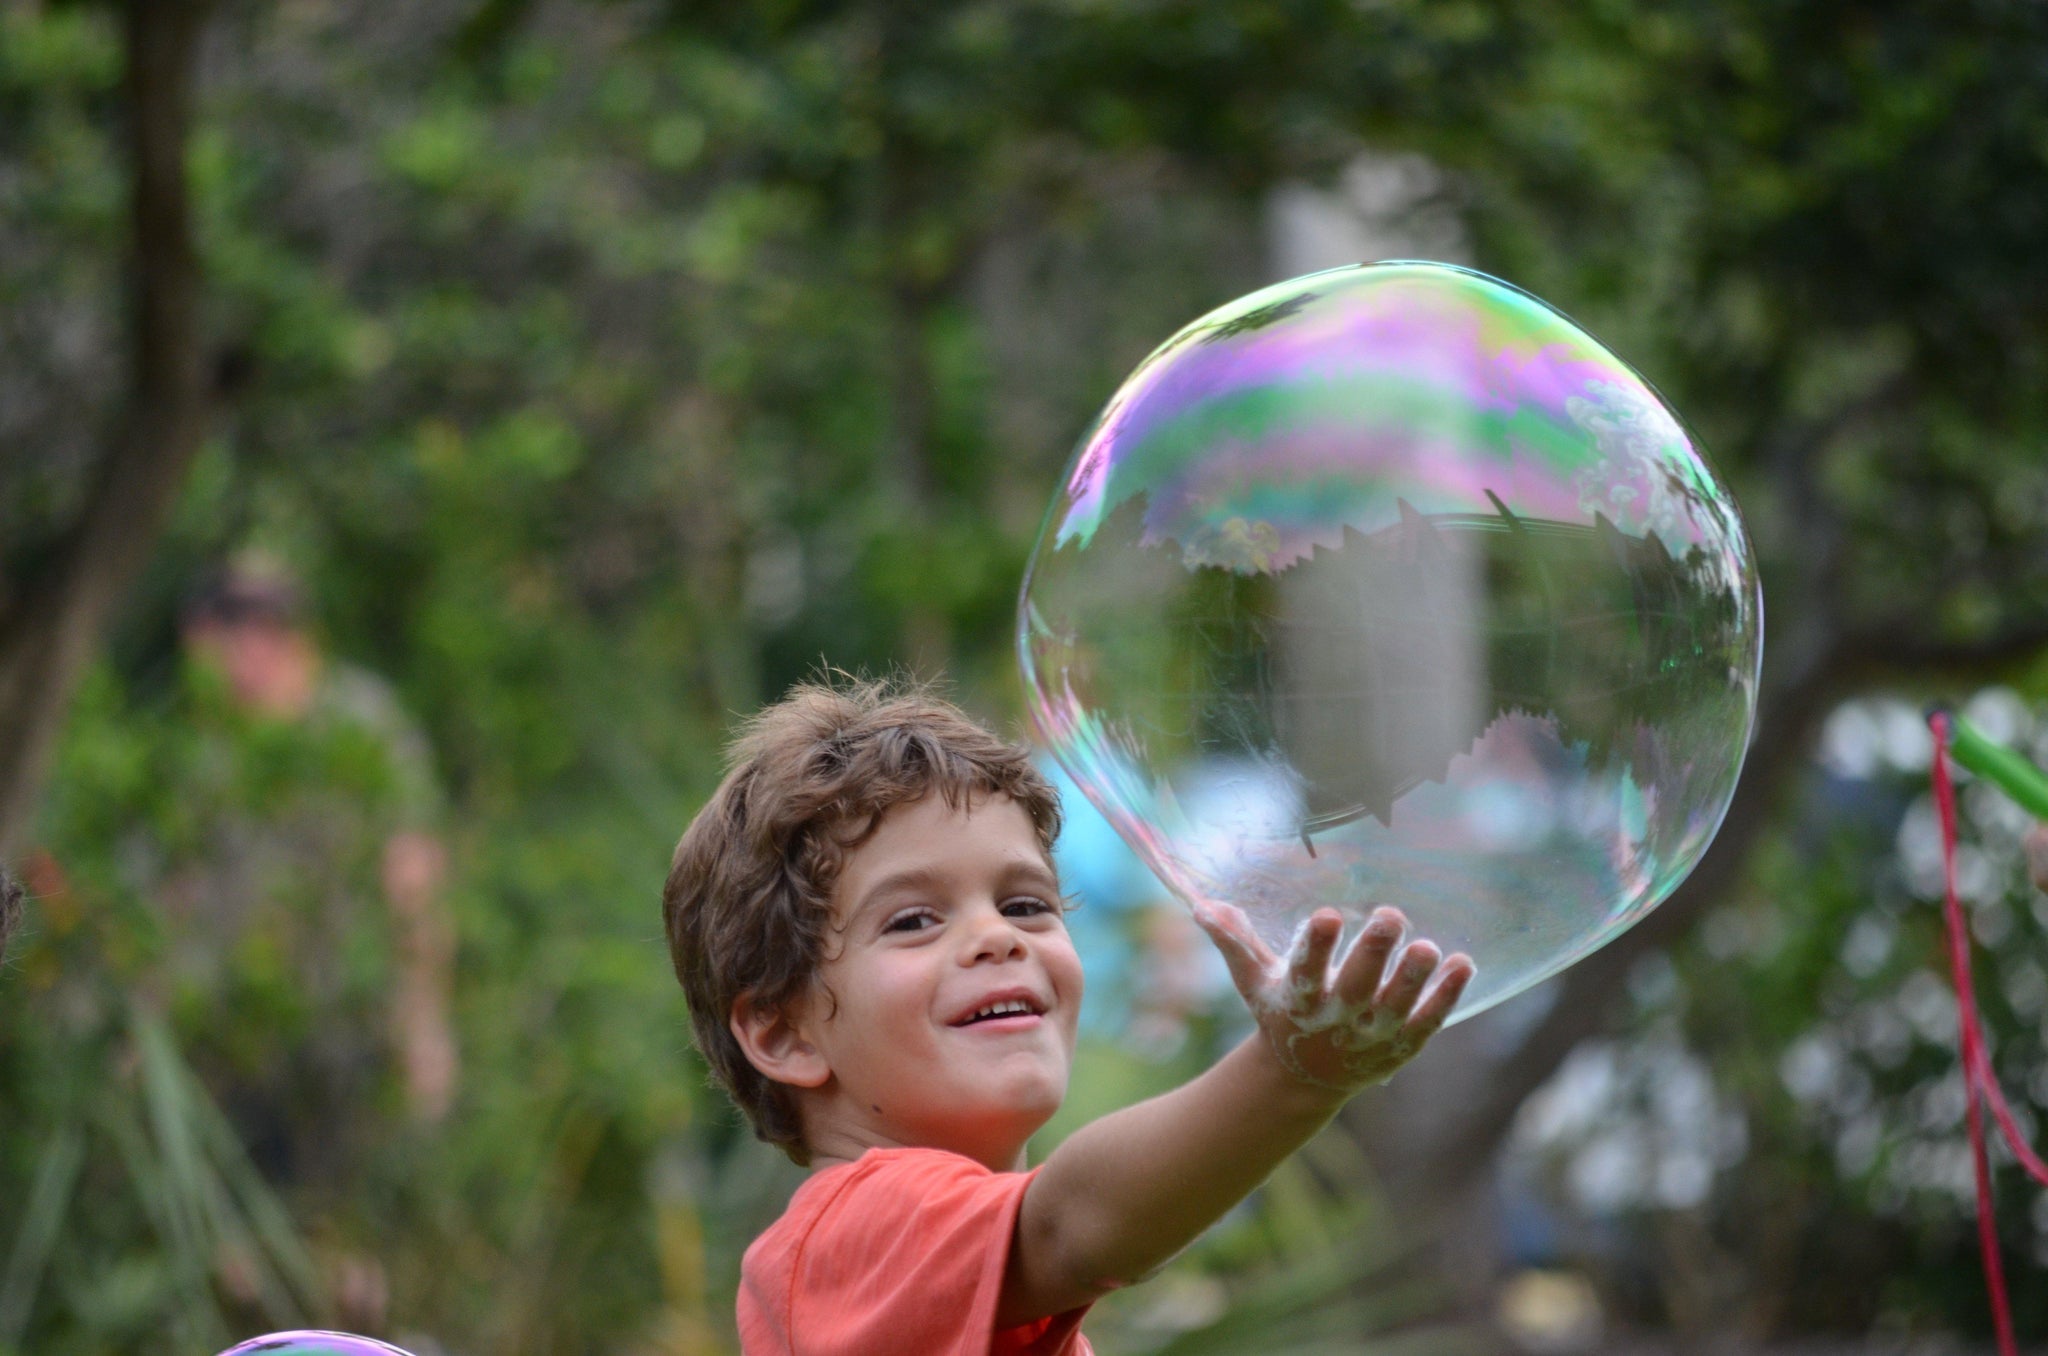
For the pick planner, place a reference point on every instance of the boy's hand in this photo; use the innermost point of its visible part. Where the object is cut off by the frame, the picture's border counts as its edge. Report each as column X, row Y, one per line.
column 1351, row 1028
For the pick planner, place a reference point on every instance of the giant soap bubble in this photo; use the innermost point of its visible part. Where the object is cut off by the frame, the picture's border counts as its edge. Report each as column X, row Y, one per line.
column 1390, row 585
column 310, row 1342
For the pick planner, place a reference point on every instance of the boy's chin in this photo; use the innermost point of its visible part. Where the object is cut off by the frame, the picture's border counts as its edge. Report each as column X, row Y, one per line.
column 1037, row 1099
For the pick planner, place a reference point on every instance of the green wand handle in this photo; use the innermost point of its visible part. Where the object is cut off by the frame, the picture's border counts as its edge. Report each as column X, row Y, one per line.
column 1997, row 764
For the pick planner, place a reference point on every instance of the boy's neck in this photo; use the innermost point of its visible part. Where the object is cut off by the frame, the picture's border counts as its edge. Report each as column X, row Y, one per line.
column 834, row 1142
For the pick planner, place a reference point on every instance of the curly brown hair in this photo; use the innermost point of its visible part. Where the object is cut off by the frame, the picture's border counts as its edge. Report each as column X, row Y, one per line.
column 747, row 905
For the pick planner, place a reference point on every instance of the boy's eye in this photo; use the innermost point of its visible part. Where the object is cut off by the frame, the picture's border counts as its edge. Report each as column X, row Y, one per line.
column 1026, row 906
column 913, row 920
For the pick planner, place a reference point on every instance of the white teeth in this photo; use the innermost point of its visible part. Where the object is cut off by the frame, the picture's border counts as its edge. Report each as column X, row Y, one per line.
column 1015, row 1007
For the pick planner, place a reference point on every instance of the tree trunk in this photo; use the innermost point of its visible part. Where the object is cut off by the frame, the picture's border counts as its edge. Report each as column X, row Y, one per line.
column 54, row 631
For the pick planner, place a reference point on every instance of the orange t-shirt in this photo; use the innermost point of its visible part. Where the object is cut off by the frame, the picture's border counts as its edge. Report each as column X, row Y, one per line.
column 899, row 1253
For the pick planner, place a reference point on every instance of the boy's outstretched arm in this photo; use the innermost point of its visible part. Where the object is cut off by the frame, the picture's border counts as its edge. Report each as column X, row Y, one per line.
column 1125, row 1193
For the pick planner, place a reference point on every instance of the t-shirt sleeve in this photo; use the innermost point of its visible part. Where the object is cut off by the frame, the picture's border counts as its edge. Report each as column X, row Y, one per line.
column 909, row 1256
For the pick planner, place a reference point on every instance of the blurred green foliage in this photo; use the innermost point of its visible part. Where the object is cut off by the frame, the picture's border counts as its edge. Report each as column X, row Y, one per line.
column 603, row 368
column 1818, row 1001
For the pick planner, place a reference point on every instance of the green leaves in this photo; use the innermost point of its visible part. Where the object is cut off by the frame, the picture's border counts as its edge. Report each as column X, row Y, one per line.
column 67, row 50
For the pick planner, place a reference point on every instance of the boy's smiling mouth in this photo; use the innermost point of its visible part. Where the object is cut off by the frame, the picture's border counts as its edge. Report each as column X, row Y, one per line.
column 1009, row 1008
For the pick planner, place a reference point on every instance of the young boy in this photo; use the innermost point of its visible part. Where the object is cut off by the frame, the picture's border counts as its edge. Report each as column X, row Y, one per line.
column 868, row 928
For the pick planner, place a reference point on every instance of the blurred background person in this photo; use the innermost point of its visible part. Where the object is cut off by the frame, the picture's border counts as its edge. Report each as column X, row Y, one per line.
column 305, row 890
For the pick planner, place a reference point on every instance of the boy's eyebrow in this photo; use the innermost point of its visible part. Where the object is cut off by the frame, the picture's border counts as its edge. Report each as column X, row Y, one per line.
column 896, row 882
column 1033, row 870
column 925, row 878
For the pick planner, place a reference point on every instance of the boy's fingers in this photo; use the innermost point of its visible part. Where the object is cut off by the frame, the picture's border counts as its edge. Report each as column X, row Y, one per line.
column 1366, row 965
column 1308, row 966
column 1432, row 1012
column 1248, row 957
column 1411, row 972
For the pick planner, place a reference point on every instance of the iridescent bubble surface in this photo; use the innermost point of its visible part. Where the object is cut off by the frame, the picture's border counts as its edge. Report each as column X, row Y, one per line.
column 309, row 1342
column 1390, row 585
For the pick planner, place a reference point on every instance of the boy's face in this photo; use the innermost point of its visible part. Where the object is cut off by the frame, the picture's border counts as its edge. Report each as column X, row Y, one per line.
column 943, row 915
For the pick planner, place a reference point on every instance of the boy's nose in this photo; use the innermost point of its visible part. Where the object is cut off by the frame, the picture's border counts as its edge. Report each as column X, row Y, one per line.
column 993, row 937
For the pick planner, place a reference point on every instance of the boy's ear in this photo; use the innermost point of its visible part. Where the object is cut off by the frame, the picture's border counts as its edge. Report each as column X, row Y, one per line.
column 775, row 1045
